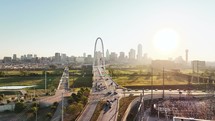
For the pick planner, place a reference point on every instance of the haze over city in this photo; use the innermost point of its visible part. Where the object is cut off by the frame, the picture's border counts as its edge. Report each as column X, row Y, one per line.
column 71, row 27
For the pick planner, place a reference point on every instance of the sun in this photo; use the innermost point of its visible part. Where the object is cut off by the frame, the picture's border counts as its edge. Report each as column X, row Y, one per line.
column 166, row 40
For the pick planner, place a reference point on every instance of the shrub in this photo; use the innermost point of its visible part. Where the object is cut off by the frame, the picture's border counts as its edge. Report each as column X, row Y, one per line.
column 19, row 107
column 49, row 114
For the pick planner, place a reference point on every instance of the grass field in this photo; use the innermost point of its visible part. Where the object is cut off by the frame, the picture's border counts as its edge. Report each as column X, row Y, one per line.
column 98, row 110
column 28, row 81
column 80, row 81
column 123, row 105
column 141, row 80
column 20, row 73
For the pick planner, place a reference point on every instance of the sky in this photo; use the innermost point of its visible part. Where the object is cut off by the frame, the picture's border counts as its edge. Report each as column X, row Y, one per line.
column 44, row 27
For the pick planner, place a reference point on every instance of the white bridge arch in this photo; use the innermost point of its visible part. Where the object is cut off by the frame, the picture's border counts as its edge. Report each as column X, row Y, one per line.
column 99, row 60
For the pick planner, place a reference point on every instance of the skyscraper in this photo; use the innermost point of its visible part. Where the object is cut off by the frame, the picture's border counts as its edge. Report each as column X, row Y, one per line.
column 84, row 55
column 57, row 57
column 107, row 55
column 186, row 51
column 132, row 54
column 14, row 57
column 63, row 57
column 121, row 56
column 139, row 52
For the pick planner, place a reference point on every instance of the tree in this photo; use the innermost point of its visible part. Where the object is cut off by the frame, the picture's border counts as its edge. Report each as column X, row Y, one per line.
column 49, row 114
column 75, row 97
column 75, row 108
column 2, row 73
column 34, row 110
column 2, row 95
column 53, row 107
column 19, row 107
column 8, row 101
column 84, row 100
column 23, row 73
column 25, row 96
column 52, row 66
column 71, row 100
column 55, row 104
column 1, row 98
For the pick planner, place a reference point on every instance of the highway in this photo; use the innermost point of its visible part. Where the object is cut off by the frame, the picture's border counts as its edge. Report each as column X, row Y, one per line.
column 103, row 89
column 62, row 88
column 61, row 92
column 110, row 95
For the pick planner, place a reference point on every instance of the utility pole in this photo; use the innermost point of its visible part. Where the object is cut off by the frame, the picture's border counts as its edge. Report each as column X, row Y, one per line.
column 68, row 77
column 163, row 82
column 45, row 81
column 36, row 112
column 62, row 108
column 34, row 92
column 151, row 84
column 151, row 90
column 198, row 70
column 142, row 107
column 73, row 79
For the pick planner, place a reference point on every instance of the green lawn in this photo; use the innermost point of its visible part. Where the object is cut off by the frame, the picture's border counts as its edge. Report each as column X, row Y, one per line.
column 123, row 105
column 28, row 81
column 141, row 80
column 98, row 110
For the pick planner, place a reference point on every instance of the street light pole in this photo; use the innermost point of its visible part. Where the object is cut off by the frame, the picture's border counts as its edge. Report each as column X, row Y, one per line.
column 36, row 111
column 163, row 82
column 73, row 80
column 68, row 77
column 34, row 92
column 45, row 81
column 152, row 84
column 151, row 90
column 62, row 108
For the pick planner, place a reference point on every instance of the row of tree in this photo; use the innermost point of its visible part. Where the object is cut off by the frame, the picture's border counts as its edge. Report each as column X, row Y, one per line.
column 31, row 73
column 77, row 102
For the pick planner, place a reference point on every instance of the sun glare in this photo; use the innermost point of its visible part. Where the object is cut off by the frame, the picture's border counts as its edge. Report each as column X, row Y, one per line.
column 166, row 40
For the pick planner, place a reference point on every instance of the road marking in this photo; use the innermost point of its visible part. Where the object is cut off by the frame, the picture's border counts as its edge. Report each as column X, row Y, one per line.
column 147, row 118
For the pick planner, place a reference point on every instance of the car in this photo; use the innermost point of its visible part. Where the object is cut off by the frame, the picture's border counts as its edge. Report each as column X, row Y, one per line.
column 110, row 105
column 109, row 92
column 115, row 93
column 131, row 95
column 129, row 89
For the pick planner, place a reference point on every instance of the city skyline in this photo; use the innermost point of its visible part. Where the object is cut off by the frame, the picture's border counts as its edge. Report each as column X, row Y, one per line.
column 71, row 27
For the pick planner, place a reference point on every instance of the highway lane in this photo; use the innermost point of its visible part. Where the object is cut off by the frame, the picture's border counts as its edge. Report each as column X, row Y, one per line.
column 94, row 98
column 109, row 114
column 102, row 85
column 88, row 112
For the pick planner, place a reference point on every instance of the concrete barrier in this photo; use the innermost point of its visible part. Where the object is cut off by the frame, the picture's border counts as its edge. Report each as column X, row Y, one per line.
column 6, row 107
